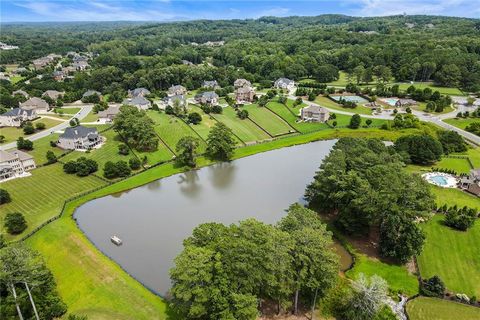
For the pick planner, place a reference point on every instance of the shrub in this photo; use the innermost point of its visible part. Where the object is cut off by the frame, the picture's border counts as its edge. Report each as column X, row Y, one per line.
column 40, row 126
column 242, row 114
column 355, row 121
column 51, row 157
column 28, row 128
column 194, row 118
column 15, row 223
column 4, row 196
column 82, row 167
column 217, row 109
column 433, row 287
column 24, row 144
column 114, row 170
column 134, row 163
column 461, row 219
column 123, row 149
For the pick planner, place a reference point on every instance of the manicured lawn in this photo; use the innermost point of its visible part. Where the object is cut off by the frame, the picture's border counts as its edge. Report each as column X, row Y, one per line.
column 268, row 120
column 41, row 196
column 423, row 85
column 203, row 128
column 15, row 79
column 452, row 196
column 453, row 255
column 41, row 146
column 70, row 111
column 457, row 164
column 91, row 117
column 342, row 80
column 461, row 123
column 422, row 106
column 245, row 129
column 289, row 114
column 12, row 134
column 424, row 308
column 343, row 120
column 397, row 276
column 326, row 102
column 171, row 129
column 474, row 155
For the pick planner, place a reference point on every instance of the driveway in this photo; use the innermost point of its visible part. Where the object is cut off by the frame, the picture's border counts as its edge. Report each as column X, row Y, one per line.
column 84, row 111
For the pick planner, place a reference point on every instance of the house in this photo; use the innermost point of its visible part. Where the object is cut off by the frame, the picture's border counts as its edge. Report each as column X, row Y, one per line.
column 80, row 65
column 79, row 58
column 20, row 92
column 40, row 63
column 471, row 182
column 16, row 116
column 211, row 85
column 209, row 97
column 188, row 63
column 314, row 113
column 37, row 104
column 405, row 103
column 139, row 101
column 242, row 83
column 58, row 75
column 177, row 90
column 79, row 138
column 109, row 114
column 89, row 93
column 244, row 94
column 68, row 70
column 53, row 94
column 19, row 70
column 138, row 92
column 284, row 83
column 174, row 100
column 14, row 164
column 4, row 76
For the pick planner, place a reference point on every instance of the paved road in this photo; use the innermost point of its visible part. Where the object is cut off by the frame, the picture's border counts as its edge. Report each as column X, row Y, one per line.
column 84, row 111
column 436, row 119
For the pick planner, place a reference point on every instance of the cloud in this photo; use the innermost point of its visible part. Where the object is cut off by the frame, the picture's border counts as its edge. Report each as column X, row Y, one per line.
column 277, row 12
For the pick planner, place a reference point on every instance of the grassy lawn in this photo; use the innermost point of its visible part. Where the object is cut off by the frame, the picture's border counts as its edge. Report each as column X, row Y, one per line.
column 171, row 129
column 461, row 123
column 453, row 255
column 268, row 120
column 15, row 79
column 457, row 164
column 41, row 195
column 326, row 102
column 452, row 196
column 423, row 308
column 289, row 114
column 397, row 276
column 342, row 80
column 203, row 128
column 91, row 117
column 12, row 133
column 70, row 111
column 423, row 85
column 108, row 152
column 245, row 129
column 474, row 155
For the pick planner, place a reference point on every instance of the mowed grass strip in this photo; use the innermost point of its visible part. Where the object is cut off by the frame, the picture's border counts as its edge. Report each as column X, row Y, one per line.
column 245, row 129
column 453, row 196
column 291, row 115
column 326, row 102
column 204, row 127
column 41, row 196
column 424, row 308
column 268, row 120
column 461, row 122
column 452, row 255
column 12, row 133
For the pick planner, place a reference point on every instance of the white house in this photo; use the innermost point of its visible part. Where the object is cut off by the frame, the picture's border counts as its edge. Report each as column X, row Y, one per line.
column 284, row 83
column 314, row 114
column 211, row 84
column 209, row 97
column 79, row 138
column 16, row 116
column 172, row 100
column 14, row 164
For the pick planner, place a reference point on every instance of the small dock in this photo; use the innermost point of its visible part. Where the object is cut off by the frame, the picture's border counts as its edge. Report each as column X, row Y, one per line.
column 116, row 240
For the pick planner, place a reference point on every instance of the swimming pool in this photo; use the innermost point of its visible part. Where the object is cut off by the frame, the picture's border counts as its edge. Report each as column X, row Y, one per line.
column 441, row 179
column 390, row 101
column 356, row 99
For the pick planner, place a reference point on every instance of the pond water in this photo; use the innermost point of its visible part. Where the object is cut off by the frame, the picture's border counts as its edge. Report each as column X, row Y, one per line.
column 153, row 220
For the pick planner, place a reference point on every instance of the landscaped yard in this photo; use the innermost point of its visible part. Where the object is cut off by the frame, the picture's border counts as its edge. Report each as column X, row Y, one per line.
column 245, row 129
column 203, row 128
column 268, row 120
column 326, row 102
column 423, row 85
column 41, row 146
column 453, row 255
column 452, row 196
column 12, row 133
column 461, row 123
column 41, row 196
column 91, row 117
column 289, row 114
column 423, row 308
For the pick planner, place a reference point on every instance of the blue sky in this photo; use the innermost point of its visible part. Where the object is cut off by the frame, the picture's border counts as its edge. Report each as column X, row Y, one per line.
column 170, row 10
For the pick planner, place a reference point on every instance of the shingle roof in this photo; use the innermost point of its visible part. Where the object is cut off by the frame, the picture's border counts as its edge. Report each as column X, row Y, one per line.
column 78, row 132
column 17, row 111
column 136, row 101
column 208, row 95
column 12, row 155
column 34, row 102
column 139, row 91
column 315, row 109
column 91, row 93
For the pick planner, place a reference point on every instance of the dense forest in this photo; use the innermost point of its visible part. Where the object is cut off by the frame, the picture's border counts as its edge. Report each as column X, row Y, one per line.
column 157, row 55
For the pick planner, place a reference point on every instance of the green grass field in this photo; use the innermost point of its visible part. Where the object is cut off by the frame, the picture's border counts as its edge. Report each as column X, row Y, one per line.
column 70, row 111
column 91, row 117
column 451, row 196
column 268, row 120
column 289, row 114
column 326, row 102
column 203, row 128
column 431, row 85
column 12, row 133
column 41, row 195
column 457, row 164
column 453, row 255
column 424, row 308
column 461, row 123
column 397, row 276
column 41, row 146
column 245, row 129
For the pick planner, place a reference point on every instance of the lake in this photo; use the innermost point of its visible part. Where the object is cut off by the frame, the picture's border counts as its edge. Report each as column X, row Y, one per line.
column 153, row 220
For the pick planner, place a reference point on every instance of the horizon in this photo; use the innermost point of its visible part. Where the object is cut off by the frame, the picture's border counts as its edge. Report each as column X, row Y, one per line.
column 51, row 11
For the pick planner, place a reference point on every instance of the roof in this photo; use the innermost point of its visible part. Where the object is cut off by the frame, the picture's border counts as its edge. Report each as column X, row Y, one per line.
column 244, row 89
column 112, row 110
column 89, row 93
column 23, row 93
column 52, row 94
column 315, row 109
column 34, row 102
column 17, row 111
column 207, row 95
column 210, row 83
column 14, row 154
column 283, row 81
column 78, row 132
column 136, row 101
column 177, row 87
column 139, row 91
column 241, row 83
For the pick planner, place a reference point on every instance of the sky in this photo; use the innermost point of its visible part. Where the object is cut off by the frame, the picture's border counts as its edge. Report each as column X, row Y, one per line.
column 174, row 10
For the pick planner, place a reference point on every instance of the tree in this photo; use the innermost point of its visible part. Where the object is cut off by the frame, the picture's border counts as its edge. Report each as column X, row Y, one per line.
column 242, row 114
column 452, row 142
column 74, row 122
column 134, row 163
column 136, row 129
column 421, row 149
column 28, row 128
column 186, row 149
column 359, row 72
column 2, row 138
column 367, row 298
column 123, row 149
column 15, row 223
column 220, row 142
column 460, row 219
column 82, row 167
column 24, row 144
column 474, row 128
column 449, row 75
column 109, row 170
column 368, row 122
column 326, row 73
column 355, row 121
column 122, row 169
column 40, row 126
column 433, row 287
column 51, row 157
column 194, row 118
column 4, row 196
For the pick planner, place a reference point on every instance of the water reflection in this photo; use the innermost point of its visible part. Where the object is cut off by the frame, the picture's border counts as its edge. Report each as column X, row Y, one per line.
column 222, row 174
column 155, row 185
column 189, row 184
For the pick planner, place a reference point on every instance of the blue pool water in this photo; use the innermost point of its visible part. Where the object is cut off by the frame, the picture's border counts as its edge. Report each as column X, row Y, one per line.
column 390, row 101
column 356, row 99
column 439, row 180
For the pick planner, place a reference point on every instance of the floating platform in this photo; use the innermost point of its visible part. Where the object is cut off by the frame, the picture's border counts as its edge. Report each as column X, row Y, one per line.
column 116, row 240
